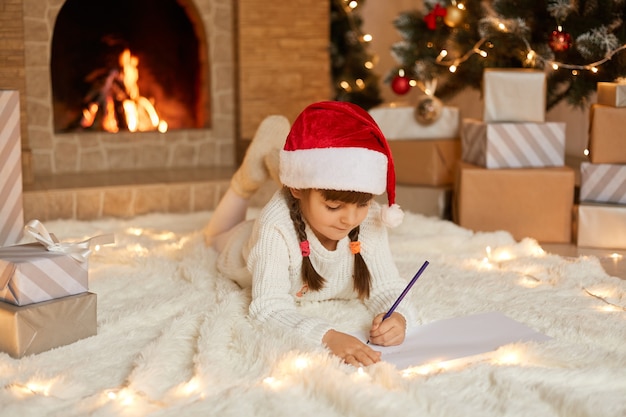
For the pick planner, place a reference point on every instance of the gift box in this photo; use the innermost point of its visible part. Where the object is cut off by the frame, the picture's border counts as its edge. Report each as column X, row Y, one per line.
column 11, row 208
column 425, row 162
column 30, row 273
column 601, row 226
column 612, row 94
column 527, row 202
column 514, row 95
column 513, row 145
column 398, row 122
column 607, row 135
column 604, row 183
column 36, row 272
column 425, row 200
column 39, row 327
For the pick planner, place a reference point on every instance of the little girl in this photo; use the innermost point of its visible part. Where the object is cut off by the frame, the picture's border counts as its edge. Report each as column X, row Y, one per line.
column 322, row 236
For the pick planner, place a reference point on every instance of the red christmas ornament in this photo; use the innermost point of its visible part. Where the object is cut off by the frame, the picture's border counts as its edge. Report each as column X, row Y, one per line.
column 435, row 14
column 400, row 84
column 560, row 41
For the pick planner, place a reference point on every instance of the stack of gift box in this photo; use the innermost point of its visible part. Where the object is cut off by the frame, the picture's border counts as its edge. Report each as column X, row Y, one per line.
column 602, row 208
column 512, row 175
column 425, row 156
column 44, row 299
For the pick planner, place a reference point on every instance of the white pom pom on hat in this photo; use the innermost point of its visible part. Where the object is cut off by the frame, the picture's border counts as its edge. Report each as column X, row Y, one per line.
column 337, row 145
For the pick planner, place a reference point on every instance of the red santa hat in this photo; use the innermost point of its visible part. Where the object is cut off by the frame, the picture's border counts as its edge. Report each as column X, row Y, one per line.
column 336, row 145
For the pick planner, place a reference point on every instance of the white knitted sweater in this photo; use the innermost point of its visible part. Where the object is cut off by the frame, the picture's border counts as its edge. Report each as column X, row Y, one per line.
column 270, row 249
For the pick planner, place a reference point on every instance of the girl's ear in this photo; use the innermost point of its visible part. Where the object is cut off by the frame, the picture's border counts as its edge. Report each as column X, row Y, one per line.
column 297, row 194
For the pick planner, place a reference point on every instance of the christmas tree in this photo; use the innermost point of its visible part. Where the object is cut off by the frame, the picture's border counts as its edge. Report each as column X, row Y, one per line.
column 351, row 64
column 577, row 42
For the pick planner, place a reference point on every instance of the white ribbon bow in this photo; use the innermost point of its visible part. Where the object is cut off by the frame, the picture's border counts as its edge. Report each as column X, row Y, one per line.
column 77, row 250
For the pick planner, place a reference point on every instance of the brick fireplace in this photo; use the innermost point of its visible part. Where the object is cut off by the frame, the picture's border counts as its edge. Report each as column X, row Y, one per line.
column 243, row 46
column 210, row 144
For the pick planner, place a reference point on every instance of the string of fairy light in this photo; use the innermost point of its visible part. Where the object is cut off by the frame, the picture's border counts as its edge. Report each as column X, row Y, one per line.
column 480, row 48
column 532, row 58
column 364, row 38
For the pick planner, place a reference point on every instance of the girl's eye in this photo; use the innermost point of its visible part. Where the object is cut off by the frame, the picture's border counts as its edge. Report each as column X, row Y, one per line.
column 364, row 204
column 332, row 208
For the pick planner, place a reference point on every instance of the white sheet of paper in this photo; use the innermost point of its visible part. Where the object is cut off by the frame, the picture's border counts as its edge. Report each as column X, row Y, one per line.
column 456, row 338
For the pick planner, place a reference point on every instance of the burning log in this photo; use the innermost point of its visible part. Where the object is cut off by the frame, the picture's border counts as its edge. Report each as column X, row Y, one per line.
column 115, row 103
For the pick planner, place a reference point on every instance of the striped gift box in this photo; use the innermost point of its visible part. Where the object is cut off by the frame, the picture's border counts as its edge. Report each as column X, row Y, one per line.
column 11, row 209
column 603, row 183
column 513, row 145
column 30, row 274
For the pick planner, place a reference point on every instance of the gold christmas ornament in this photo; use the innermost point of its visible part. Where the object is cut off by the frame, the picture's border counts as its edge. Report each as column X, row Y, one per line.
column 428, row 110
column 454, row 16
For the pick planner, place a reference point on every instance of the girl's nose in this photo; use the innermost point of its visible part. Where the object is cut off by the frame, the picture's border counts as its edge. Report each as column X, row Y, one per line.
column 349, row 215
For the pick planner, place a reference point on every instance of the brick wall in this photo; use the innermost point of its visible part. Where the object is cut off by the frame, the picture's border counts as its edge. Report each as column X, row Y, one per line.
column 284, row 62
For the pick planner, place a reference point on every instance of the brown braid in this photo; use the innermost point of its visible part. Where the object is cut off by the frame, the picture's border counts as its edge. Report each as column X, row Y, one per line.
column 310, row 276
column 362, row 278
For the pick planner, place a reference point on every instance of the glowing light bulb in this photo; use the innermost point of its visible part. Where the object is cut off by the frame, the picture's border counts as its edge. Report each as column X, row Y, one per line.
column 367, row 37
column 452, row 68
column 301, row 363
column 134, row 231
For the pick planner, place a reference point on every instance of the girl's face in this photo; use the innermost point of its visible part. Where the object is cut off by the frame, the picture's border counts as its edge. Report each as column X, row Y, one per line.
column 330, row 220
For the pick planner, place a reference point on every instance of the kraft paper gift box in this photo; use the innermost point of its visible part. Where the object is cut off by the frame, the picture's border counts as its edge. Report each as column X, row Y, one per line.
column 38, row 327
column 514, row 95
column 601, row 226
column 612, row 94
column 605, row 183
column 607, row 136
column 398, row 122
column 527, row 202
column 513, row 145
column 425, row 162
column 11, row 206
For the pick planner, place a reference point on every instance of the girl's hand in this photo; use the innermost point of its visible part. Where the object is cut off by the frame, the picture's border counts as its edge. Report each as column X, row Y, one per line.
column 350, row 349
column 390, row 332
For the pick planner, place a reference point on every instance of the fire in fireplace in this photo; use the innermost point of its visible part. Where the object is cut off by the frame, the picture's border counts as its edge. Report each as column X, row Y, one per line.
column 117, row 102
column 131, row 65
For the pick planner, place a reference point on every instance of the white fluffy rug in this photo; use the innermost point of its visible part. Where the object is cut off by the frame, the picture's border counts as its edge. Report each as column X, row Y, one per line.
column 174, row 340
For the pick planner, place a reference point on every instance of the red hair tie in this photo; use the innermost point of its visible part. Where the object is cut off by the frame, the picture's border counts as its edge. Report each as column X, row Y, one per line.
column 304, row 248
column 355, row 247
